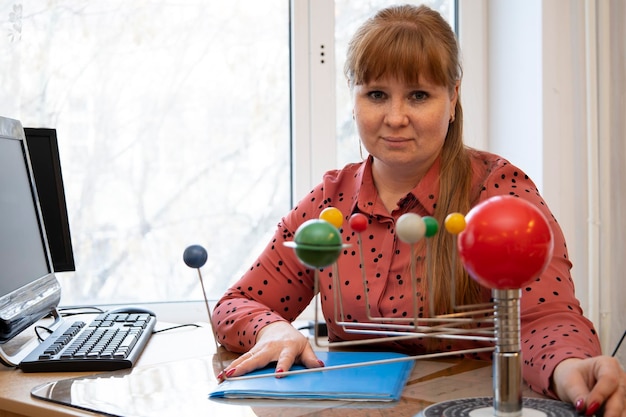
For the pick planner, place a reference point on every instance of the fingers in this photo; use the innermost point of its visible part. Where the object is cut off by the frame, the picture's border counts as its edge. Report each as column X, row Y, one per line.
column 248, row 362
column 245, row 363
column 307, row 358
column 253, row 360
column 310, row 359
column 570, row 384
column 594, row 385
column 285, row 361
column 577, row 393
column 615, row 405
column 608, row 388
column 609, row 392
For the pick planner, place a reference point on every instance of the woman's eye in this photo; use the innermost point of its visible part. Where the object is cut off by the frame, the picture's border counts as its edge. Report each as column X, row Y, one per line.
column 419, row 95
column 376, row 95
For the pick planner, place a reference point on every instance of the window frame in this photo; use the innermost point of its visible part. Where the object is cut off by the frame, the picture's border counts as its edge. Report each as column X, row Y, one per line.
column 314, row 148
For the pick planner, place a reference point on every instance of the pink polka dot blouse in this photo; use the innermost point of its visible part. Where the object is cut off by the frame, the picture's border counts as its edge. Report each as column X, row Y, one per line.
column 279, row 287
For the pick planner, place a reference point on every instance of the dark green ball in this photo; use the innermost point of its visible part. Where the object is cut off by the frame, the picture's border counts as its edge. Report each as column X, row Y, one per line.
column 317, row 243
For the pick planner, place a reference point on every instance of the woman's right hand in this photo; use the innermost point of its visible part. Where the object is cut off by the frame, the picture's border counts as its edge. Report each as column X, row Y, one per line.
column 278, row 342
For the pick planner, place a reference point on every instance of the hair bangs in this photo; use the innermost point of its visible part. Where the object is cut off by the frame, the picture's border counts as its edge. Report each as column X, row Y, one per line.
column 403, row 52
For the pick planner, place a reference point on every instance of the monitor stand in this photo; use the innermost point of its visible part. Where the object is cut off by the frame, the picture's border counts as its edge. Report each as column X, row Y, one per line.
column 15, row 350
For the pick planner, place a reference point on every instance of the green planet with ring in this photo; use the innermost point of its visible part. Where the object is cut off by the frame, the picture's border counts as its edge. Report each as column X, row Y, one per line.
column 317, row 243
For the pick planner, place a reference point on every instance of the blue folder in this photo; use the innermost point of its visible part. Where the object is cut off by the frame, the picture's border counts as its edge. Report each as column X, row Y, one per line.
column 366, row 382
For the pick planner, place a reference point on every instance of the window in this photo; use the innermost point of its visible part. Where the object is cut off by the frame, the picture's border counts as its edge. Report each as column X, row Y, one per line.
column 173, row 127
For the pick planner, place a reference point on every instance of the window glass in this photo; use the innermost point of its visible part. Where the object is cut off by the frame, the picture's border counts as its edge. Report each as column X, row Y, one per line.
column 349, row 14
column 173, row 128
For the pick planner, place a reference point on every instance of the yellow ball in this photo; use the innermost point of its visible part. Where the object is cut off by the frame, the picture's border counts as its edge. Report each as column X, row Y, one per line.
column 333, row 216
column 455, row 223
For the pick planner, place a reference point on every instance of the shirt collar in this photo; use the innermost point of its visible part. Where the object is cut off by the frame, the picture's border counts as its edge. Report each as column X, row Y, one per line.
column 426, row 192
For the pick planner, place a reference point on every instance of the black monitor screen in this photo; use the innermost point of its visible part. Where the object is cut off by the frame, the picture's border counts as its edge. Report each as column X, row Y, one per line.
column 46, row 164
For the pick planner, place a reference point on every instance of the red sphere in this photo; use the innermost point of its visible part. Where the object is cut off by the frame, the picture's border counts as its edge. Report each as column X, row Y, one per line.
column 507, row 242
column 358, row 222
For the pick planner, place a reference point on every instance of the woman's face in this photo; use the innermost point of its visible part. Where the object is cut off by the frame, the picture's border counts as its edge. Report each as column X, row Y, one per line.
column 401, row 124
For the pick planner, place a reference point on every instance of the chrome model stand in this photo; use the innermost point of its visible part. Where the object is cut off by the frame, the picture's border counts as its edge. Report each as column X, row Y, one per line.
column 507, row 374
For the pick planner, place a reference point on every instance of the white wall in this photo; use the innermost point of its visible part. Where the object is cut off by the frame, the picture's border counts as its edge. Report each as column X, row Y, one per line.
column 555, row 82
column 611, row 111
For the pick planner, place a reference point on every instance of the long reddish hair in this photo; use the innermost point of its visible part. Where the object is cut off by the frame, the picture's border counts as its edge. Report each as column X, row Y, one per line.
column 408, row 42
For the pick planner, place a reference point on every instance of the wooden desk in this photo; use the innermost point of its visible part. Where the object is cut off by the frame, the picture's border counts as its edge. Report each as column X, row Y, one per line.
column 430, row 382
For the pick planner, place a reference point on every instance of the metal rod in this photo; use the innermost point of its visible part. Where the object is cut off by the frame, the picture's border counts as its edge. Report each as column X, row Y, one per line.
column 507, row 358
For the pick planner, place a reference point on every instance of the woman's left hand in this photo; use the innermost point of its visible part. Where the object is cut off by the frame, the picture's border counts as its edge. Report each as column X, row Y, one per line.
column 591, row 384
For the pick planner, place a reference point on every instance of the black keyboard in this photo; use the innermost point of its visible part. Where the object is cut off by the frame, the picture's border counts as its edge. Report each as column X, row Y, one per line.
column 110, row 342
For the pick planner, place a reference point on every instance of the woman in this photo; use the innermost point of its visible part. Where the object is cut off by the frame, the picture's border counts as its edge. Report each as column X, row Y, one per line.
column 404, row 74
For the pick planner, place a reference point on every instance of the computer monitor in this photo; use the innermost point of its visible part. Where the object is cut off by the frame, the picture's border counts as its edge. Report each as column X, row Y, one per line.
column 43, row 149
column 29, row 289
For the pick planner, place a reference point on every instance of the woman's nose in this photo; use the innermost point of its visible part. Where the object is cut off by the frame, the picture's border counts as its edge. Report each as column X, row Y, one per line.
column 396, row 114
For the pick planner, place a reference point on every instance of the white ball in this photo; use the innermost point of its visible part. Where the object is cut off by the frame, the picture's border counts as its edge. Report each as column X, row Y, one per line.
column 410, row 228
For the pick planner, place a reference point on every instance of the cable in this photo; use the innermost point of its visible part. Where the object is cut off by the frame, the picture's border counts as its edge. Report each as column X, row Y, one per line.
column 39, row 337
column 322, row 330
column 176, row 327
column 619, row 344
column 67, row 311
